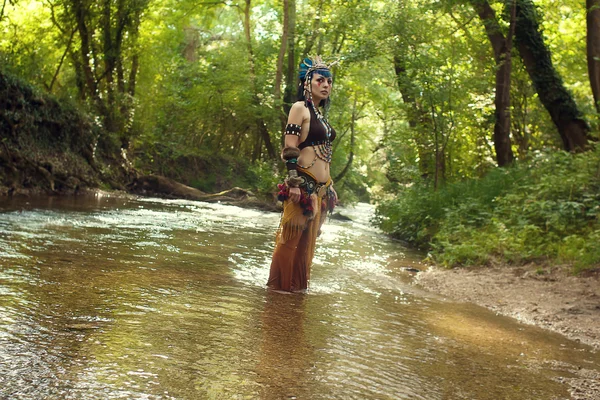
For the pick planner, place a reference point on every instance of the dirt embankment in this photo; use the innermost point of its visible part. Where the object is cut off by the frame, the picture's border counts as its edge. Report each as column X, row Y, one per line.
column 45, row 146
column 550, row 298
column 50, row 147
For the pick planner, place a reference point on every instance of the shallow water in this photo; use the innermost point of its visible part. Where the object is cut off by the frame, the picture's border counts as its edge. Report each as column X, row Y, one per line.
column 108, row 297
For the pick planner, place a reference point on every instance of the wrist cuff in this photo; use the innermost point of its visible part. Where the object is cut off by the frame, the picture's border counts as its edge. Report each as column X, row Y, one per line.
column 293, row 179
column 292, row 164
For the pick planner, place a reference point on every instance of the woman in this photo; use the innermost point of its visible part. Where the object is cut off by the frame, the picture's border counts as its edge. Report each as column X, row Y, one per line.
column 307, row 193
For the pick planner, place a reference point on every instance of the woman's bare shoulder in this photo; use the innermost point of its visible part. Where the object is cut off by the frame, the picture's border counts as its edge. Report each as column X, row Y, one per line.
column 298, row 113
column 299, row 106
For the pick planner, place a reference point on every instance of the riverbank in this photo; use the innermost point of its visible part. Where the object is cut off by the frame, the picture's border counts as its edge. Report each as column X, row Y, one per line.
column 49, row 146
column 551, row 298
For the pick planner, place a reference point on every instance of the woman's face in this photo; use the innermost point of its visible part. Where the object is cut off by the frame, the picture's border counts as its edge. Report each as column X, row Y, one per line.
column 320, row 87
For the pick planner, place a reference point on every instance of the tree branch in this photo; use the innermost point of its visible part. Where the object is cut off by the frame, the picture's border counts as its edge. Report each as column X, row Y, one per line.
column 62, row 59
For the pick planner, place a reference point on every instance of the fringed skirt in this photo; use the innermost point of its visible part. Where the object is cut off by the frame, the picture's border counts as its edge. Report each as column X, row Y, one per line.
column 297, row 234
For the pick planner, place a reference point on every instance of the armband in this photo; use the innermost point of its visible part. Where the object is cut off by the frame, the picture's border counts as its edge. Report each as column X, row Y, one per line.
column 293, row 129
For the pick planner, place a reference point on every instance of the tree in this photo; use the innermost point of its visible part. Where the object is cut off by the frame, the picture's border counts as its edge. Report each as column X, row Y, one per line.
column 289, row 94
column 105, row 59
column 419, row 119
column 263, row 133
column 559, row 103
column 281, row 55
column 502, row 56
column 355, row 116
column 593, row 48
column 3, row 9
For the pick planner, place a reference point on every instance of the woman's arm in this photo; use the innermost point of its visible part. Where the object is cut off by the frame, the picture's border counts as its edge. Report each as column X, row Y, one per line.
column 290, row 151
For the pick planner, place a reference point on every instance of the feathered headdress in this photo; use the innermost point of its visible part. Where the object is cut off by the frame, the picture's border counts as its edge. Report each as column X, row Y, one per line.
column 309, row 65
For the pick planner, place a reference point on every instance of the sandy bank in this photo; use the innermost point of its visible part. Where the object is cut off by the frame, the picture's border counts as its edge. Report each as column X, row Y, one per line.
column 550, row 298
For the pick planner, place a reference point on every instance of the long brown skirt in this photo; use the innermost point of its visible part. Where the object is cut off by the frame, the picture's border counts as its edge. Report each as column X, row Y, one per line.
column 295, row 246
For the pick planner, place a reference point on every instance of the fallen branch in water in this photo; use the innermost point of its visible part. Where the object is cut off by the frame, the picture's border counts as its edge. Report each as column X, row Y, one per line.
column 156, row 185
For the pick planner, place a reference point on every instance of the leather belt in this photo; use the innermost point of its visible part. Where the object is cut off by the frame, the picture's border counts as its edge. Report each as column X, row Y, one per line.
column 312, row 186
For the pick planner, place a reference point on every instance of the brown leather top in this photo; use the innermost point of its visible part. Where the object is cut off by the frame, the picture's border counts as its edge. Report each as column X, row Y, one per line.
column 317, row 133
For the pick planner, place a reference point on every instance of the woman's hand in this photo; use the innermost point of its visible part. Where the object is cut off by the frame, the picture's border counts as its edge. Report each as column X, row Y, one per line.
column 295, row 194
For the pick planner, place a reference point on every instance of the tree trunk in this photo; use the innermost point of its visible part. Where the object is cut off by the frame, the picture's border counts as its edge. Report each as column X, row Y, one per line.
column 281, row 55
column 560, row 104
column 102, row 29
column 3, row 9
column 110, row 119
column 315, row 29
column 519, row 118
column 352, row 141
column 502, row 49
column 80, row 81
column 439, row 148
column 593, row 48
column 418, row 119
column 133, row 74
column 502, row 143
column 90, row 80
column 263, row 133
column 135, row 58
column 62, row 60
column 289, row 95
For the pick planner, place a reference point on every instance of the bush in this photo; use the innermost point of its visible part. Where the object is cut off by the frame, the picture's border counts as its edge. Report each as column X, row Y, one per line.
column 545, row 210
column 263, row 177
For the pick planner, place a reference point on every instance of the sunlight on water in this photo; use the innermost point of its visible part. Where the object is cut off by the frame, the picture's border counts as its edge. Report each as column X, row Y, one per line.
column 116, row 297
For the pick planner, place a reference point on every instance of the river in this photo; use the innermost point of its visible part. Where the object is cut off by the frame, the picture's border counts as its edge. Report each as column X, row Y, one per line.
column 113, row 297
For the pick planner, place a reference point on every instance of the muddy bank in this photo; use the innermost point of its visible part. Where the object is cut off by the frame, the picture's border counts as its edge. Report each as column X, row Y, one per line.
column 550, row 298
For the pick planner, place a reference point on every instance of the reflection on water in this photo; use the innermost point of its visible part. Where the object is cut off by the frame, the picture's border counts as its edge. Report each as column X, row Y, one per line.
column 109, row 298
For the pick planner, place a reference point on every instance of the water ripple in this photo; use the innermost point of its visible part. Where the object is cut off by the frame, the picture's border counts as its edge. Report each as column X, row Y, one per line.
column 165, row 299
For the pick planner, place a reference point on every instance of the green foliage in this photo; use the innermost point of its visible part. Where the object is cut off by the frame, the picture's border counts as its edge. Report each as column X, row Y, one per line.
column 31, row 117
column 545, row 210
column 562, row 24
column 417, row 213
column 262, row 177
column 208, row 171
